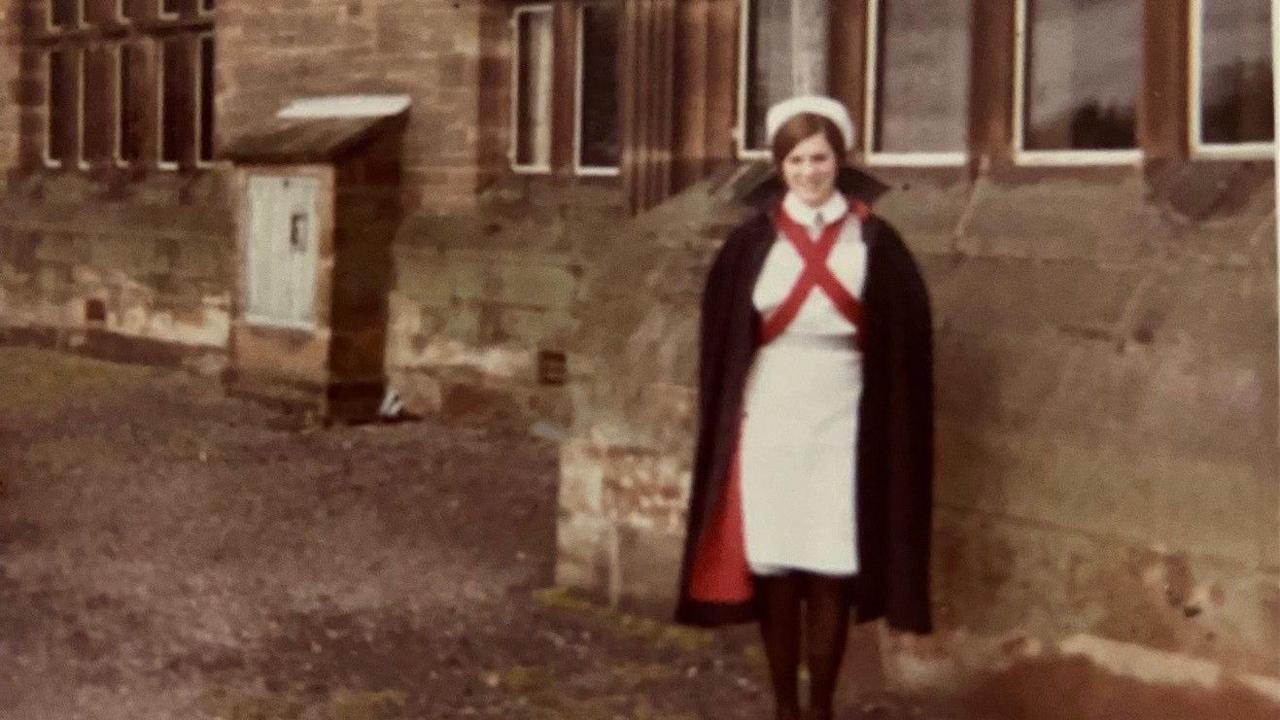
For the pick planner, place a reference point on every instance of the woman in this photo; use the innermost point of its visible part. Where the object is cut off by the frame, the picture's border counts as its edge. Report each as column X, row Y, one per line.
column 813, row 471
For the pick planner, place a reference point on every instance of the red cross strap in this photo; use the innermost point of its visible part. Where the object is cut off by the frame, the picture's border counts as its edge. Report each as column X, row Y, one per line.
column 815, row 273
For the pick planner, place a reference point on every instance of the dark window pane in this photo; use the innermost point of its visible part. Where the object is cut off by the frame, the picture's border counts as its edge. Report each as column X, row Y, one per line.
column 169, row 7
column 768, row 65
column 599, row 70
column 533, row 92
column 206, row 98
column 177, row 101
column 64, row 13
column 208, row 5
column 60, row 109
column 1235, row 72
column 96, row 124
column 1082, row 74
column 131, row 9
column 130, row 108
column 922, row 68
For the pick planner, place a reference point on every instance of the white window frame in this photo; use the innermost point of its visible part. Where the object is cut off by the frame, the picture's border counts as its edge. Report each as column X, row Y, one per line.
column 161, row 163
column 82, row 10
column 1050, row 157
column 120, row 15
column 740, row 127
column 203, row 9
column 161, row 14
column 198, row 77
column 117, row 110
column 512, row 153
column 1195, row 122
column 870, row 115
column 82, row 76
column 46, row 152
column 578, row 100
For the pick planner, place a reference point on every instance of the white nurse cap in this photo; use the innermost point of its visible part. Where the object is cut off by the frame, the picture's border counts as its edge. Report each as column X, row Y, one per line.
column 826, row 107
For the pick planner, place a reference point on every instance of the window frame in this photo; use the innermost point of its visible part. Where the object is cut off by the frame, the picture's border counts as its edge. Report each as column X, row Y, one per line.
column 118, row 105
column 1196, row 147
column 121, row 17
column 1024, row 157
column 82, row 75
column 579, row 99
column 161, row 52
column 512, row 149
column 198, row 78
column 46, row 152
column 958, row 158
column 203, row 8
column 164, row 15
column 740, row 124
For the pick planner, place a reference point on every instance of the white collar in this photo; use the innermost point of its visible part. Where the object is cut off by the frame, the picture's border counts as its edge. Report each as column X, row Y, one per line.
column 834, row 208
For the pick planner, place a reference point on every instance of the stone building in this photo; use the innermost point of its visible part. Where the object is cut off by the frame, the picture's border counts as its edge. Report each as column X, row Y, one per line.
column 1087, row 186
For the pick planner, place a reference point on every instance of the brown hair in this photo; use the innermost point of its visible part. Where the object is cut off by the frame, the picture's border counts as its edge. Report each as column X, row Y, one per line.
column 802, row 127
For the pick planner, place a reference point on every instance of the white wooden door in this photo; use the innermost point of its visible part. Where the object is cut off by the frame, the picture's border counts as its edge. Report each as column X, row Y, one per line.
column 281, row 250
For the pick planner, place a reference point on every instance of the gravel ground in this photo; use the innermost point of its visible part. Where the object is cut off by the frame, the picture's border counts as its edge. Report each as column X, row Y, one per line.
column 168, row 552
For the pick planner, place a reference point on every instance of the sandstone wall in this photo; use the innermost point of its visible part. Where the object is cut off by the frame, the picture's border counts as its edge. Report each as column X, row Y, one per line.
column 10, row 85
column 1107, row 402
column 139, row 273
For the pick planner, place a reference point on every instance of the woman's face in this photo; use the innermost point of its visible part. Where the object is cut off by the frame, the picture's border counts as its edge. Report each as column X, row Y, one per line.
column 809, row 170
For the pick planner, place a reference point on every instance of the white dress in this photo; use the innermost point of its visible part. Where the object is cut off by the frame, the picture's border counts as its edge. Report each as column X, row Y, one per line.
column 797, row 452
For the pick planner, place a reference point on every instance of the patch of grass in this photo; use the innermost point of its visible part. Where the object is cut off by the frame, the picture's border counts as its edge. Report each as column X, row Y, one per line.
column 524, row 678
column 225, row 705
column 379, row 705
column 635, row 626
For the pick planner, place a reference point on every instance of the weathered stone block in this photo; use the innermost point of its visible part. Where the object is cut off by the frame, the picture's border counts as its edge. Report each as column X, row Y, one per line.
column 644, row 488
column 993, row 576
column 581, row 478
column 1014, row 220
column 202, row 260
column 534, row 284
column 928, row 216
column 583, row 552
column 650, row 566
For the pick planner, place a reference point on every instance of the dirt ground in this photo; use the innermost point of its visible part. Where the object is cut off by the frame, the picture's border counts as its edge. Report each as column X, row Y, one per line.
column 168, row 552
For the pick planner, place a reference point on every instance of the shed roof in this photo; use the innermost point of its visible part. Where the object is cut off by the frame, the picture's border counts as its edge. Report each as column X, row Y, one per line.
column 318, row 129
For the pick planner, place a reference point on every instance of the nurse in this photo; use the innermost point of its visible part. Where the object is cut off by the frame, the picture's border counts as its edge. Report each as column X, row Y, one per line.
column 813, row 471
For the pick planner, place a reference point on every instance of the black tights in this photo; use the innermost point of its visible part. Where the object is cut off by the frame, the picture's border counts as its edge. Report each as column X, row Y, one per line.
column 826, row 601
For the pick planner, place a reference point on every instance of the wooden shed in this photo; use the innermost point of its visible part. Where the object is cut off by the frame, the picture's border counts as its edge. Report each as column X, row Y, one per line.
column 317, row 198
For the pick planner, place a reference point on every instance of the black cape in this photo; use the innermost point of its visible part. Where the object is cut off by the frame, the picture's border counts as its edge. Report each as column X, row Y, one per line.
column 895, row 428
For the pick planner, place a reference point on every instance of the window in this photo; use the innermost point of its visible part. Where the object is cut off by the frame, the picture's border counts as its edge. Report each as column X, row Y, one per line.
column 532, row 74
column 128, row 108
column 64, row 14
column 205, row 100
column 61, row 110
column 1231, row 109
column 177, row 102
column 208, row 6
column 124, row 96
column 1078, row 72
column 596, row 139
column 917, row 102
column 764, row 73
column 97, row 102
